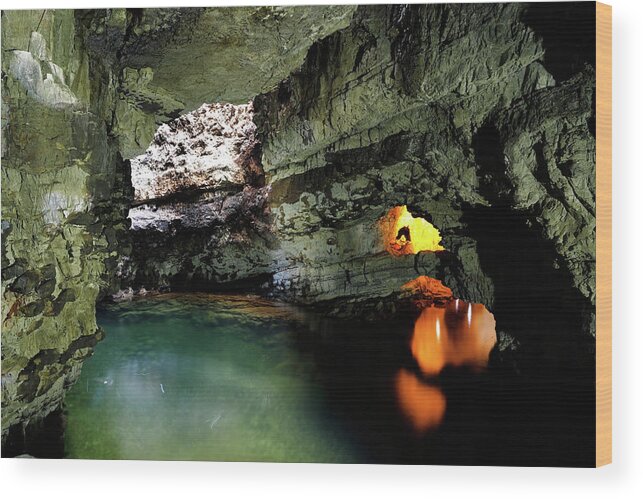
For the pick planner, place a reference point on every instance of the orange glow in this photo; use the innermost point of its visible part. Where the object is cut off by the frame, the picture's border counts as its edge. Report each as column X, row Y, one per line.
column 428, row 289
column 459, row 334
column 424, row 405
column 404, row 234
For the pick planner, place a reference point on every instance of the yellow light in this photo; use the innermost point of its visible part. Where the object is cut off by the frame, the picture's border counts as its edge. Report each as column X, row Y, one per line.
column 404, row 234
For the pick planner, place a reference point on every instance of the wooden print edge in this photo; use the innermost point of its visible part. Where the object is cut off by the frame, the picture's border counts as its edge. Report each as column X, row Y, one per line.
column 603, row 234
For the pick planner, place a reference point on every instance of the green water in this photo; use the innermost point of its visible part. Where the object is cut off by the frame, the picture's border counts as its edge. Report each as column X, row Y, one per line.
column 200, row 378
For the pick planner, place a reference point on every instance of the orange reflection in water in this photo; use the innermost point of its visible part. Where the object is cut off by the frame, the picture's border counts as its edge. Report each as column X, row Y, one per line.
column 404, row 234
column 458, row 334
column 424, row 405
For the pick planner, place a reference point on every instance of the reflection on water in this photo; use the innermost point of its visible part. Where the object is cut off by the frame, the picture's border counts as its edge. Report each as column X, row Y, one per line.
column 423, row 404
column 459, row 334
column 202, row 377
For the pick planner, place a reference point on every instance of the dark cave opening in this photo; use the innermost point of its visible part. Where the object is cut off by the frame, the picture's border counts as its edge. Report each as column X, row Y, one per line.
column 529, row 280
column 531, row 294
column 568, row 34
column 489, row 156
column 536, row 303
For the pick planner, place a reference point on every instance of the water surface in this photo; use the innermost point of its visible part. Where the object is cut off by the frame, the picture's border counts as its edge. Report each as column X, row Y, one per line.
column 200, row 378
column 206, row 377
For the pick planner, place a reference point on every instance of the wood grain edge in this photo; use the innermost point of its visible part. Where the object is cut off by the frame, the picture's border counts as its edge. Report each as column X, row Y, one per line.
column 603, row 234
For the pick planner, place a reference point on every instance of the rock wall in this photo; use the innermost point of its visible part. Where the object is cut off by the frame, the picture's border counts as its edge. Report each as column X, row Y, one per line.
column 200, row 214
column 63, row 208
column 450, row 110
column 175, row 60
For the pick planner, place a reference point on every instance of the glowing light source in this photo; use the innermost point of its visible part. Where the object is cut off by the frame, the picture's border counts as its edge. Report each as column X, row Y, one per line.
column 404, row 234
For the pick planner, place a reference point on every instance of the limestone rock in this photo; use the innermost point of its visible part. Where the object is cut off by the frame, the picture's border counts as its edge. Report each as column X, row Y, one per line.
column 63, row 210
column 203, row 216
column 208, row 149
column 192, row 56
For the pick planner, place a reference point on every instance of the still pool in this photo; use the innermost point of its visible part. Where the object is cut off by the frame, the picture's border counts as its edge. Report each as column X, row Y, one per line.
column 232, row 378
column 200, row 378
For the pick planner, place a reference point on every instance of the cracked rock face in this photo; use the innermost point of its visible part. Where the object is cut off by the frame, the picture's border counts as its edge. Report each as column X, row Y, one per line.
column 200, row 202
column 245, row 50
column 43, row 79
column 81, row 91
column 208, row 149
column 64, row 199
column 451, row 111
column 386, row 113
column 466, row 126
column 176, row 59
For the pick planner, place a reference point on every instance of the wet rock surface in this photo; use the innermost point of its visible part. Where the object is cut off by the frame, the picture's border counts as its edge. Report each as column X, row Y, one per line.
column 64, row 201
column 384, row 113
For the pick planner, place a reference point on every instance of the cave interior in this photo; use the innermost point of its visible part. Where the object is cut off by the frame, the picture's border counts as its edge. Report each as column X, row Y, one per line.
column 430, row 166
